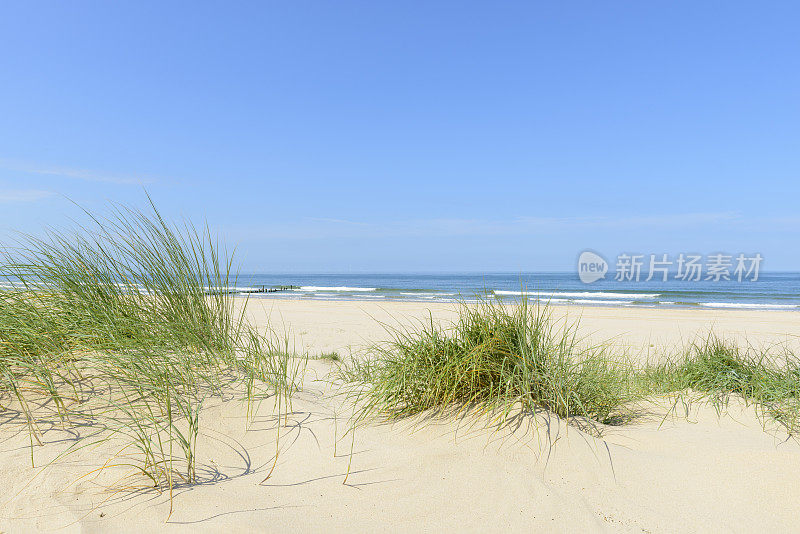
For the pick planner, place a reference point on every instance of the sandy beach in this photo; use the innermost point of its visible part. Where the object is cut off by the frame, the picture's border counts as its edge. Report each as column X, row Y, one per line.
column 324, row 326
column 669, row 471
column 320, row 267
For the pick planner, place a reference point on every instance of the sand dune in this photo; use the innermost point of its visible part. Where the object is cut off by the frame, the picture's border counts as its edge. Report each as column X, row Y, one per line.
column 691, row 471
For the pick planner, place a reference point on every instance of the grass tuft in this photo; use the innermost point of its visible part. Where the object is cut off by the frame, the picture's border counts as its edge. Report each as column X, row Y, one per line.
column 125, row 326
column 494, row 357
column 330, row 356
column 716, row 370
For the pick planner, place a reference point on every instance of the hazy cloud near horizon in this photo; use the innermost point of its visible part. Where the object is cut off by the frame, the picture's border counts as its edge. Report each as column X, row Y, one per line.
column 23, row 195
column 316, row 228
column 71, row 173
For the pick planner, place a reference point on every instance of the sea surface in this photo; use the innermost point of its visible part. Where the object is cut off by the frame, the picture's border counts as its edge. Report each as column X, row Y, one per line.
column 774, row 290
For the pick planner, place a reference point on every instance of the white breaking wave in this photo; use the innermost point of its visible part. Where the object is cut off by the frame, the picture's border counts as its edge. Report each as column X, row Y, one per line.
column 591, row 301
column 11, row 286
column 590, row 294
column 748, row 305
column 337, row 288
column 594, row 301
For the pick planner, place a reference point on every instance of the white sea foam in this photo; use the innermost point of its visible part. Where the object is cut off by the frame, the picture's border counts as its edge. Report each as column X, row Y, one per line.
column 590, row 294
column 11, row 286
column 336, row 288
column 590, row 301
column 597, row 301
column 744, row 305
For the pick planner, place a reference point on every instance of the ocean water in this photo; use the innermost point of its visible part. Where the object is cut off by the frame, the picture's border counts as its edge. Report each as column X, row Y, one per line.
column 780, row 291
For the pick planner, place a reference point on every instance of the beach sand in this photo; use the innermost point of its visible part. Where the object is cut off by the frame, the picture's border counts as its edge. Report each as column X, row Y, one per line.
column 691, row 470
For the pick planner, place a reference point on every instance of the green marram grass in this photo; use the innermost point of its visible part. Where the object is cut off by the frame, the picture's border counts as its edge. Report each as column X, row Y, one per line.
column 715, row 370
column 493, row 358
column 330, row 356
column 125, row 326
column 497, row 357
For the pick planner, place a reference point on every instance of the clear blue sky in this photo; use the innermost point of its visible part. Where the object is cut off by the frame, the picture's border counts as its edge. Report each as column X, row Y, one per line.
column 437, row 136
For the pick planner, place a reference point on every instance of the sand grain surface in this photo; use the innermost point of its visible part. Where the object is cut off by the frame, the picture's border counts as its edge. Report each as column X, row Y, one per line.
column 692, row 471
